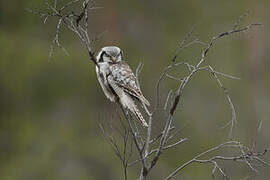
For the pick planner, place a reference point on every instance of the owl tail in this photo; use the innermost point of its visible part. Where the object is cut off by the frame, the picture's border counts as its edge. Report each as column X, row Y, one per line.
column 139, row 116
column 128, row 103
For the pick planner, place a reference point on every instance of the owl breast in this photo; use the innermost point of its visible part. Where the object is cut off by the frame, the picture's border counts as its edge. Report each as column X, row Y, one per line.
column 102, row 73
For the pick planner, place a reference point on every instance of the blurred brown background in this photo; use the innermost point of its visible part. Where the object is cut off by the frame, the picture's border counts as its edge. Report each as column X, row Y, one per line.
column 50, row 110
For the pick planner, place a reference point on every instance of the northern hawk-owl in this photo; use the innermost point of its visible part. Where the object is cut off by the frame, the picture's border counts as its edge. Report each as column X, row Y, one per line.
column 118, row 81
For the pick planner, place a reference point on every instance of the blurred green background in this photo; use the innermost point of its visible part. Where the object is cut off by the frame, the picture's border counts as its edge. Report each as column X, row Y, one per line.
column 50, row 110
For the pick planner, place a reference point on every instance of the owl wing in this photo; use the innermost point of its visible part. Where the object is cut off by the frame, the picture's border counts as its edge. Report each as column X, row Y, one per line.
column 124, row 77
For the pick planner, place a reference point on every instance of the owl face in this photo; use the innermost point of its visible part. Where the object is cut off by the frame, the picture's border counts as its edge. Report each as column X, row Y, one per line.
column 111, row 54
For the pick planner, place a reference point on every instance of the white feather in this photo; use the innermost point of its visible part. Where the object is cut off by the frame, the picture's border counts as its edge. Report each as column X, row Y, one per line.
column 118, row 81
column 101, row 75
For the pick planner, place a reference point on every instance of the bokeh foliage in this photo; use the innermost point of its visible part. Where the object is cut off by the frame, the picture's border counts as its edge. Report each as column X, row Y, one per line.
column 50, row 109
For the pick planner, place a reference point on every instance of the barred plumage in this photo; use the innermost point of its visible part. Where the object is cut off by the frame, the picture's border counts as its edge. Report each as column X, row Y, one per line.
column 118, row 81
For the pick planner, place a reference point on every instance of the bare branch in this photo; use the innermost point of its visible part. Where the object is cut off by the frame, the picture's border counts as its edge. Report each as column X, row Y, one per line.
column 167, row 99
column 149, row 151
column 70, row 21
column 239, row 20
column 182, row 44
column 232, row 108
column 221, row 35
column 207, row 68
column 246, row 156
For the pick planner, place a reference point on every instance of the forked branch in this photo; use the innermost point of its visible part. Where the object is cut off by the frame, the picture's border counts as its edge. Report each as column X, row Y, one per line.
column 150, row 147
column 76, row 22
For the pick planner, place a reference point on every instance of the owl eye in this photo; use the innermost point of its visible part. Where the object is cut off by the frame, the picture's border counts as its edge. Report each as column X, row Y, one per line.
column 106, row 57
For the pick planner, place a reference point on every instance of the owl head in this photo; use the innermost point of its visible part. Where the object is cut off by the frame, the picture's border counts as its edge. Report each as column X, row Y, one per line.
column 110, row 54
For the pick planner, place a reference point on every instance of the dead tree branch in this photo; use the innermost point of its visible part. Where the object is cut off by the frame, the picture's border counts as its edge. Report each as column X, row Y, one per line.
column 246, row 156
column 150, row 147
column 126, row 153
column 78, row 24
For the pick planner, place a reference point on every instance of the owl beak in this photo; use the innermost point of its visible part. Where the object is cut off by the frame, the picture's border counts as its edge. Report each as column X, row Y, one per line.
column 114, row 59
